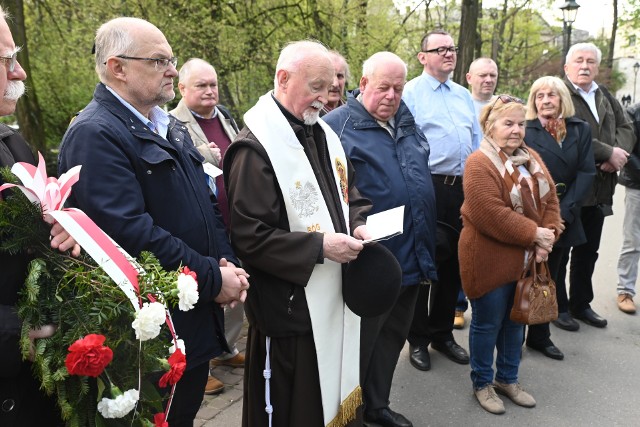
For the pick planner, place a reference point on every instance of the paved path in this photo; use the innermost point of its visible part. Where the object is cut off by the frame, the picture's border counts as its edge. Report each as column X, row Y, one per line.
column 598, row 383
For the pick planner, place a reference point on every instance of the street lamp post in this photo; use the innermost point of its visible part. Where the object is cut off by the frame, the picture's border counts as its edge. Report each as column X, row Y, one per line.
column 569, row 13
column 636, row 67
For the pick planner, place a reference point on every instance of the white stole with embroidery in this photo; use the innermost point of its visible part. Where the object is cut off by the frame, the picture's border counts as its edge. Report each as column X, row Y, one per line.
column 336, row 330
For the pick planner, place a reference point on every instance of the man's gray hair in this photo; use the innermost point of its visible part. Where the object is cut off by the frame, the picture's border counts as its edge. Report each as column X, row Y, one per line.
column 295, row 53
column 3, row 14
column 347, row 71
column 185, row 70
column 380, row 58
column 113, row 38
column 582, row 47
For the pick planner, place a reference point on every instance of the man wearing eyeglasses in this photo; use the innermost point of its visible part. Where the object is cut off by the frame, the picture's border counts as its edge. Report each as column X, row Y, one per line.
column 446, row 115
column 143, row 183
column 613, row 140
column 212, row 129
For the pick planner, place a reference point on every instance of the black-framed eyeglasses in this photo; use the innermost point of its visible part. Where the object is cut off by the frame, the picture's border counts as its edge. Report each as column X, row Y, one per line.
column 161, row 64
column 11, row 60
column 442, row 51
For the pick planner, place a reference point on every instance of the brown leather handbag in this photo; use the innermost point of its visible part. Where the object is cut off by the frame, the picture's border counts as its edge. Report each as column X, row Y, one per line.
column 535, row 300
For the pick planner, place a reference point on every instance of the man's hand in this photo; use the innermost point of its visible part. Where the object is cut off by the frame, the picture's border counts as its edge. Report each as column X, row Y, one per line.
column 61, row 240
column 44, row 332
column 215, row 150
column 341, row 248
column 607, row 167
column 618, row 158
column 234, row 284
column 361, row 233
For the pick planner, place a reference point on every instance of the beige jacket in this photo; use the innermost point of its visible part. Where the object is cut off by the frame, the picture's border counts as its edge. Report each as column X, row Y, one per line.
column 182, row 113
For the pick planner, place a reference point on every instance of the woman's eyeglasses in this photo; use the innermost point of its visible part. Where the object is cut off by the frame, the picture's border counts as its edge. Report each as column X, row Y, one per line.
column 505, row 100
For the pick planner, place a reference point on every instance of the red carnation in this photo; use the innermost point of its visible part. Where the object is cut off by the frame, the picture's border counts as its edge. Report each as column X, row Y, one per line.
column 159, row 420
column 185, row 270
column 178, row 364
column 87, row 356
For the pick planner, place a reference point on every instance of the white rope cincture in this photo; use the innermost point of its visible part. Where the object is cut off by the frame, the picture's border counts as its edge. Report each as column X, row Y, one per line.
column 267, row 390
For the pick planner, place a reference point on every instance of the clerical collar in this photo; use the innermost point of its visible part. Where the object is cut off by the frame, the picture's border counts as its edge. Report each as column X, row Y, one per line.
column 290, row 117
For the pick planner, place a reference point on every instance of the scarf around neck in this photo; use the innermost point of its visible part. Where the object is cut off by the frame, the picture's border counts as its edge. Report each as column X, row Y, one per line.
column 528, row 196
column 557, row 128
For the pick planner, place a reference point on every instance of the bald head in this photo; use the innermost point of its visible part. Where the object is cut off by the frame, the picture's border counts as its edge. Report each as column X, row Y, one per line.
column 383, row 77
column 482, row 78
column 134, row 58
column 304, row 73
column 198, row 85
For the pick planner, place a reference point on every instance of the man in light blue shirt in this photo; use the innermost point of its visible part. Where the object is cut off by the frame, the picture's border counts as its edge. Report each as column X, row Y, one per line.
column 445, row 113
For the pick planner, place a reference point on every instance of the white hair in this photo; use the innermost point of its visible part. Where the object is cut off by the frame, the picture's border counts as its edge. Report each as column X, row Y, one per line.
column 379, row 59
column 113, row 38
column 295, row 53
column 584, row 47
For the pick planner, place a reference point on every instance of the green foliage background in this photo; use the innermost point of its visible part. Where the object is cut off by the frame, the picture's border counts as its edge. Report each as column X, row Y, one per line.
column 242, row 39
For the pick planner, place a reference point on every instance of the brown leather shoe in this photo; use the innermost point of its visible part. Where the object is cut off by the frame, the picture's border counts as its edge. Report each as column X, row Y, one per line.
column 236, row 361
column 214, row 386
column 625, row 303
column 458, row 320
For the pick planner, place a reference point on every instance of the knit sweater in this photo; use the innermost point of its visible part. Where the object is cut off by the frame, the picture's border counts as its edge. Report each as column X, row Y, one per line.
column 494, row 238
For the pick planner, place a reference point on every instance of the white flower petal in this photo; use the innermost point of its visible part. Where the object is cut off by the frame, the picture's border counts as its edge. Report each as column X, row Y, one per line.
column 120, row 406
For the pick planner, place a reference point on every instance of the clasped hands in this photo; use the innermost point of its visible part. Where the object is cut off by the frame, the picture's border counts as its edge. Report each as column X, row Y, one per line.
column 545, row 237
column 234, row 284
column 616, row 162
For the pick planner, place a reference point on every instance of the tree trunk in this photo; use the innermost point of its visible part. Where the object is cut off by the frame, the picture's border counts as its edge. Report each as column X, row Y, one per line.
column 612, row 42
column 28, row 110
column 467, row 39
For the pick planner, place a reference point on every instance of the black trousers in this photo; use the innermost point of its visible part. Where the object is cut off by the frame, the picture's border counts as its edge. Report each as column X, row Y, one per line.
column 381, row 341
column 188, row 396
column 436, row 304
column 540, row 335
column 583, row 260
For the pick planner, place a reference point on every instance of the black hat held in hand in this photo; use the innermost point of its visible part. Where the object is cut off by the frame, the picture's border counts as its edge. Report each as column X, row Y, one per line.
column 372, row 281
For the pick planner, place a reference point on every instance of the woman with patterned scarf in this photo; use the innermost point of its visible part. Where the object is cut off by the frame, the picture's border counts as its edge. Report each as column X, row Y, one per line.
column 564, row 143
column 510, row 212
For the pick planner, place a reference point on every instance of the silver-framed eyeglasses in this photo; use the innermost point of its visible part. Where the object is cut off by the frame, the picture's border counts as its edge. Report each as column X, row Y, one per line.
column 11, row 60
column 442, row 50
column 161, row 64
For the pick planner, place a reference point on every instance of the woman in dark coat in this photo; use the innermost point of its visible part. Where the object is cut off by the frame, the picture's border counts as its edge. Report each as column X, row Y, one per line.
column 564, row 143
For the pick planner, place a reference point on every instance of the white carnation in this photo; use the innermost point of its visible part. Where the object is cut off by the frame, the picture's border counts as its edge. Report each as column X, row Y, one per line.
column 149, row 320
column 120, row 406
column 187, row 292
column 181, row 346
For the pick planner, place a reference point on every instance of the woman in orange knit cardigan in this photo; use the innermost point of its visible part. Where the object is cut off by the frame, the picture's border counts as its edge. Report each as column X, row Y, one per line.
column 510, row 212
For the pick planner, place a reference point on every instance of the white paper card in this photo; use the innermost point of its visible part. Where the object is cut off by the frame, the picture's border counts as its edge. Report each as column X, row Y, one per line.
column 211, row 170
column 385, row 225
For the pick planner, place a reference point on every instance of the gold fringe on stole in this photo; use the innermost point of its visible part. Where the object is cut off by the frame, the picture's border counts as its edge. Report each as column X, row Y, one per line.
column 348, row 408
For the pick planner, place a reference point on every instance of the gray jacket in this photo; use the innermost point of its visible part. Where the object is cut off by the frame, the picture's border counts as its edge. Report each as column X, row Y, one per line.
column 182, row 113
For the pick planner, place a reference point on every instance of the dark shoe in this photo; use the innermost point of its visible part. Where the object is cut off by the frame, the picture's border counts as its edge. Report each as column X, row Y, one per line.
column 419, row 357
column 566, row 322
column 387, row 418
column 590, row 317
column 452, row 350
column 550, row 351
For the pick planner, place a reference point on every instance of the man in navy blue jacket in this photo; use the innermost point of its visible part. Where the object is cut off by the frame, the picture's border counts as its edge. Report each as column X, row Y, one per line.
column 391, row 159
column 143, row 183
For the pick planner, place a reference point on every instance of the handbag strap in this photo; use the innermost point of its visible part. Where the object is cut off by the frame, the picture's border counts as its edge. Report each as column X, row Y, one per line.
column 531, row 267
